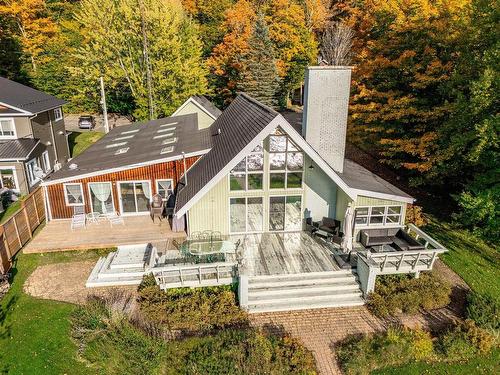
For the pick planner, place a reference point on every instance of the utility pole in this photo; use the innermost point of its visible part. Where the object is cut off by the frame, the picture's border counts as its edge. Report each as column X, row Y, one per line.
column 104, row 108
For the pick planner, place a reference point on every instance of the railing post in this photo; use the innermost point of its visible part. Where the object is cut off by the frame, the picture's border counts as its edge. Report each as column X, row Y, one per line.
column 243, row 291
column 180, row 276
column 199, row 273
column 433, row 259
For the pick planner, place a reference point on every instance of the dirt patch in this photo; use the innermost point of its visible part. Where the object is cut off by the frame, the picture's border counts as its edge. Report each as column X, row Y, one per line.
column 64, row 282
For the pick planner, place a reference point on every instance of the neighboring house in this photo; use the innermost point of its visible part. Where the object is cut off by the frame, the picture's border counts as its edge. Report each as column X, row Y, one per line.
column 205, row 110
column 33, row 139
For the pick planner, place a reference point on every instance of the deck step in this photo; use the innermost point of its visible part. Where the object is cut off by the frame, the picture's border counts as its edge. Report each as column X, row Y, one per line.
column 117, row 281
column 287, row 306
column 304, row 291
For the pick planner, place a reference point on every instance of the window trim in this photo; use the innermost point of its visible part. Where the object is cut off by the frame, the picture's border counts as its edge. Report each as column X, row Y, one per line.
column 46, row 161
column 384, row 216
column 66, row 194
column 11, row 119
column 34, row 180
column 164, row 179
column 13, row 173
column 56, row 117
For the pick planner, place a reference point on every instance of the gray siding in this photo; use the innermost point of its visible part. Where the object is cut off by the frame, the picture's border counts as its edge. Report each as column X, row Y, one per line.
column 58, row 150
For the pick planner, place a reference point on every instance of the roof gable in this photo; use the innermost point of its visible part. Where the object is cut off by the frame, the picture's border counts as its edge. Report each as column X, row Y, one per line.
column 203, row 104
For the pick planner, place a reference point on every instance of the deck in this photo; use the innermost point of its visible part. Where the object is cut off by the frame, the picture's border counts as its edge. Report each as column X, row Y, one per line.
column 285, row 253
column 58, row 236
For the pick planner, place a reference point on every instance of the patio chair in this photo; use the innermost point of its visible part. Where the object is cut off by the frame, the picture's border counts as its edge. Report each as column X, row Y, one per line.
column 78, row 210
column 78, row 221
column 157, row 207
column 116, row 219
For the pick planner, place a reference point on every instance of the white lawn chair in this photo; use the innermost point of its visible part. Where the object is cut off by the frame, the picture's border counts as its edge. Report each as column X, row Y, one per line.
column 115, row 219
column 78, row 221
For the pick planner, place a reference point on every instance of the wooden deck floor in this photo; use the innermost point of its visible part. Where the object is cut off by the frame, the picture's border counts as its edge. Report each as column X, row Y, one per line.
column 284, row 253
column 58, row 236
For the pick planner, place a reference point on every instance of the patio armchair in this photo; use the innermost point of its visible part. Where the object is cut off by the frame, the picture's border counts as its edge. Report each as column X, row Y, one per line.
column 328, row 225
column 78, row 220
column 157, row 207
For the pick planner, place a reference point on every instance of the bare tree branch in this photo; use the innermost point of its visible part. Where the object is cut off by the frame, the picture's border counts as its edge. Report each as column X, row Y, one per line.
column 336, row 43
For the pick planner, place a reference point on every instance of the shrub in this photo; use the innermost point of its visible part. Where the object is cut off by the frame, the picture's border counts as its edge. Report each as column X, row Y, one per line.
column 361, row 355
column 465, row 341
column 111, row 344
column 192, row 311
column 402, row 293
column 484, row 310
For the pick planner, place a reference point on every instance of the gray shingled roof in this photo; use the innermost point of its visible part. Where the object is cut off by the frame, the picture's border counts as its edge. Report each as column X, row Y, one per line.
column 239, row 124
column 142, row 146
column 17, row 149
column 25, row 98
column 358, row 177
column 208, row 105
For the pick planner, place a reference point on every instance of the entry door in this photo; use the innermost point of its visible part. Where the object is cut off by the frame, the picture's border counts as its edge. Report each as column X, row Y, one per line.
column 134, row 197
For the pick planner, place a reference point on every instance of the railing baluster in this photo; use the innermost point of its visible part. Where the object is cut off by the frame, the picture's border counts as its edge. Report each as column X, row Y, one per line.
column 416, row 261
column 400, row 261
column 384, row 262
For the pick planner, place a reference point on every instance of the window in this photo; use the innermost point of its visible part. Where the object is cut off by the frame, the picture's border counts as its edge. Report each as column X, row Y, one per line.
column 73, row 194
column 379, row 215
column 285, row 213
column 246, row 214
column 8, row 178
column 58, row 114
column 46, row 161
column 34, row 171
column 164, row 188
column 249, row 173
column 7, row 128
column 286, row 163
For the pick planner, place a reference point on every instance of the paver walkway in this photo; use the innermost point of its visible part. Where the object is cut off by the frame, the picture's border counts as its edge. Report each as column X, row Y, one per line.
column 320, row 329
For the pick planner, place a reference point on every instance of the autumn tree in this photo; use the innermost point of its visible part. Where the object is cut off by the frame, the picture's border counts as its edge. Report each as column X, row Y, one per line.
column 404, row 54
column 150, row 46
column 259, row 77
column 31, row 26
column 225, row 62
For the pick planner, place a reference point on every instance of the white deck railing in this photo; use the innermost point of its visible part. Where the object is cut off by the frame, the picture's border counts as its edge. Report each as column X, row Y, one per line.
column 195, row 275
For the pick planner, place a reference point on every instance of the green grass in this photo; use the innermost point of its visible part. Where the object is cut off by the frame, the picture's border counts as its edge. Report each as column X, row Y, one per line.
column 34, row 333
column 479, row 365
column 9, row 211
column 79, row 142
column 470, row 257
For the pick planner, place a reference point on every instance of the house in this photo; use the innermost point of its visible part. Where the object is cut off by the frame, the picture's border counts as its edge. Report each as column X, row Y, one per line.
column 259, row 191
column 204, row 109
column 33, row 140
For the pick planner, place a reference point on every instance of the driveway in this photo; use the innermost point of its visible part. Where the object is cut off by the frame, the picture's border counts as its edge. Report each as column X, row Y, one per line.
column 114, row 120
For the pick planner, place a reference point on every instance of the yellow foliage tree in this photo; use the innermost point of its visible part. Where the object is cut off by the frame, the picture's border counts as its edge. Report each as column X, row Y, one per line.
column 34, row 27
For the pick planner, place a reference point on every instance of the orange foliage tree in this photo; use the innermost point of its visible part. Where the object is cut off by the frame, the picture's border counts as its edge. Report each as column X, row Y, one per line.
column 404, row 53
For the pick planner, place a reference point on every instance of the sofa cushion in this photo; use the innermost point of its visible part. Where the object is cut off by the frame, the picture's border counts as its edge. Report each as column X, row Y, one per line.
column 379, row 240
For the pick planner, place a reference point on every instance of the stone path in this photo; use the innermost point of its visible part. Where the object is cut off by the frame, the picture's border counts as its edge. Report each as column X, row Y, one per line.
column 320, row 329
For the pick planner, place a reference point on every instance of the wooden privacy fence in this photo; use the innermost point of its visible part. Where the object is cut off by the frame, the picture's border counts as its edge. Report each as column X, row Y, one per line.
column 19, row 228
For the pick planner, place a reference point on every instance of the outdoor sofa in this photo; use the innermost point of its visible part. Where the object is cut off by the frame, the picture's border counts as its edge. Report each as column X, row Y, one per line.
column 396, row 237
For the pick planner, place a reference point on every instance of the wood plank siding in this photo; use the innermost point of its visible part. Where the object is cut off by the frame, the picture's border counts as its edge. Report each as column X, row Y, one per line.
column 169, row 170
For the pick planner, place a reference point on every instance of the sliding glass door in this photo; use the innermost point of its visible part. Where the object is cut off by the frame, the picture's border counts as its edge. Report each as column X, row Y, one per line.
column 246, row 215
column 285, row 213
column 134, row 196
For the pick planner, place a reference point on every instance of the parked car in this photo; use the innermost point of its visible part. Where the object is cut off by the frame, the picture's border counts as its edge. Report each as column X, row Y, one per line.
column 86, row 122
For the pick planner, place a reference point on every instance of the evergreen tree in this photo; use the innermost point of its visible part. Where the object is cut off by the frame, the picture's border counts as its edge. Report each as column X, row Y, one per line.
column 259, row 77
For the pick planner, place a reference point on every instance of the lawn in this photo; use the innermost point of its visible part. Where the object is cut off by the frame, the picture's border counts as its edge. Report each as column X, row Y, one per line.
column 79, row 142
column 14, row 206
column 34, row 333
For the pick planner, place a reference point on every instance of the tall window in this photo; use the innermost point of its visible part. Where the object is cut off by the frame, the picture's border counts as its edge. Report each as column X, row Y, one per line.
column 46, row 161
column 379, row 215
column 58, row 114
column 7, row 129
column 73, row 194
column 33, row 171
column 249, row 173
column 246, row 214
column 286, row 163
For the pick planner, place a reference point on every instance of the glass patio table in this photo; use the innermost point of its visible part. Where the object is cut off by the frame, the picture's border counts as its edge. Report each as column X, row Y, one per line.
column 208, row 247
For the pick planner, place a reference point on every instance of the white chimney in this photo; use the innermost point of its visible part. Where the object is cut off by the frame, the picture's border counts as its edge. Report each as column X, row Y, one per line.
column 324, row 122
